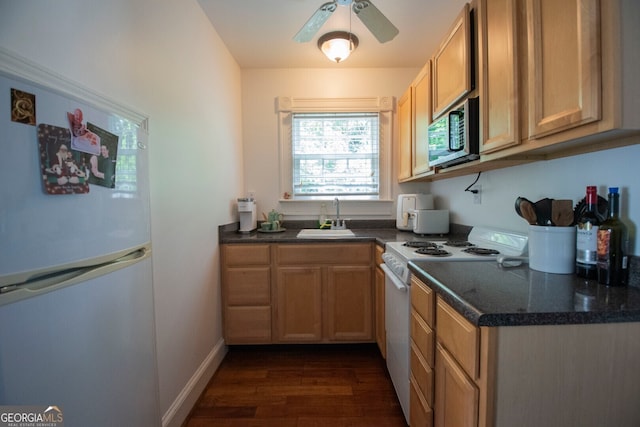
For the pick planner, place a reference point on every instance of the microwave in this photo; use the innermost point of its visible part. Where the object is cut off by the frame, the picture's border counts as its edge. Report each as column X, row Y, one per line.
column 453, row 138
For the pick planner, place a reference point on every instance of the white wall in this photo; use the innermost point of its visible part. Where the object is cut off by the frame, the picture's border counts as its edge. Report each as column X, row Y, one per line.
column 260, row 87
column 565, row 178
column 163, row 59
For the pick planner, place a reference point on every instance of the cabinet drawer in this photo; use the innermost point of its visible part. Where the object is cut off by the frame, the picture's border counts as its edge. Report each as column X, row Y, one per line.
column 459, row 337
column 422, row 335
column 248, row 286
column 422, row 300
column 314, row 254
column 246, row 254
column 420, row 413
column 423, row 373
column 247, row 325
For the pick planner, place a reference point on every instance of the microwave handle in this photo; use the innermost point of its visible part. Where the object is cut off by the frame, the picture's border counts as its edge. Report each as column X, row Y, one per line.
column 460, row 116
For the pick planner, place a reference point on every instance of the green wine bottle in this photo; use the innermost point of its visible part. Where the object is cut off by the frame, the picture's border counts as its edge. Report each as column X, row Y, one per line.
column 612, row 240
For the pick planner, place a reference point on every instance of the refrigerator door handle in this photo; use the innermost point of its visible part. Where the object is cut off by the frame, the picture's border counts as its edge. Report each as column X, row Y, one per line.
column 47, row 281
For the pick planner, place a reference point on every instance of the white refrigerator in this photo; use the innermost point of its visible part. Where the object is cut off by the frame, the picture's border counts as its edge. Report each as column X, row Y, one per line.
column 77, row 328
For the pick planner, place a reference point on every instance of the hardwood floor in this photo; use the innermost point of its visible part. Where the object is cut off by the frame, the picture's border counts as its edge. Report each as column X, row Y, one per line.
column 299, row 386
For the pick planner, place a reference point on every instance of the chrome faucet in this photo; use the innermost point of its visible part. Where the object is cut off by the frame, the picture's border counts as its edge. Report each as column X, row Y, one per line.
column 338, row 224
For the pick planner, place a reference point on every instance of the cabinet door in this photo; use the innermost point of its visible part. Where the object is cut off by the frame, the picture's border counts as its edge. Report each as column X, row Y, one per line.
column 381, row 335
column 452, row 78
column 299, row 304
column 421, row 119
column 349, row 305
column 404, row 135
column 499, row 74
column 456, row 397
column 564, row 64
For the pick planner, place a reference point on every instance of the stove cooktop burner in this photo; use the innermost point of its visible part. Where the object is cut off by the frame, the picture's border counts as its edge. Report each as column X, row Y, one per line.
column 433, row 252
column 416, row 244
column 481, row 251
column 459, row 243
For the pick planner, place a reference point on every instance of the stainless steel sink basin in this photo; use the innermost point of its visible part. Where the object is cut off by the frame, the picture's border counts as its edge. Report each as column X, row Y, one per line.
column 316, row 233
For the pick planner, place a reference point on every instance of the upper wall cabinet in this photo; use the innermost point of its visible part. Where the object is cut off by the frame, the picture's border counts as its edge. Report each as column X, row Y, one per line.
column 405, row 135
column 498, row 74
column 414, row 117
column 421, row 89
column 564, row 64
column 452, row 65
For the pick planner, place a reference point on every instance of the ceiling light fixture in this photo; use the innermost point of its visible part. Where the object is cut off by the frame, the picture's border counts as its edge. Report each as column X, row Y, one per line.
column 338, row 45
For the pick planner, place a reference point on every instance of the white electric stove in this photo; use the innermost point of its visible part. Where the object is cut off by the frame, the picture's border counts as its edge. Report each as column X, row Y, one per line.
column 482, row 244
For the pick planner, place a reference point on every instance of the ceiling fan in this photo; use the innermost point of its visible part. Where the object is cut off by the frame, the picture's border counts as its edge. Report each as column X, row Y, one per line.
column 371, row 17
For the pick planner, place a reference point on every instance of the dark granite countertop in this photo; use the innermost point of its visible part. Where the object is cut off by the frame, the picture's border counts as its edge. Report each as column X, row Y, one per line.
column 487, row 294
column 380, row 231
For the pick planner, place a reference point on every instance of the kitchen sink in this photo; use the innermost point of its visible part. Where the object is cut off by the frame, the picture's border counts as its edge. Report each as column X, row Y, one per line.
column 316, row 233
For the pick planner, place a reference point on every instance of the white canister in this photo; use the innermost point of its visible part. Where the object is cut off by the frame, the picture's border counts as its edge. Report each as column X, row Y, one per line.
column 552, row 249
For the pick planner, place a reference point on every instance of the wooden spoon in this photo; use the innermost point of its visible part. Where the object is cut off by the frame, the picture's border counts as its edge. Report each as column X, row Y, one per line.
column 526, row 210
column 562, row 213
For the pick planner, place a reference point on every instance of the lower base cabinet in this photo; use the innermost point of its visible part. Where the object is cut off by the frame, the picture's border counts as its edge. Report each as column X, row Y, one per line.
column 325, row 293
column 298, row 293
column 585, row 375
column 456, row 402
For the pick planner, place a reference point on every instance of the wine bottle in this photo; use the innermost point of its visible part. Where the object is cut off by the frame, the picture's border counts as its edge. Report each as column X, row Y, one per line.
column 612, row 240
column 587, row 237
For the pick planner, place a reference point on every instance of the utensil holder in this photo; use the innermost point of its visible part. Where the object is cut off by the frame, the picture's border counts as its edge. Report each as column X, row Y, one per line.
column 552, row 249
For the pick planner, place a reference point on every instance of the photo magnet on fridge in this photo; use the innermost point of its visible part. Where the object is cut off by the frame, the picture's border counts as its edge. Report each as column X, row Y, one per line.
column 62, row 169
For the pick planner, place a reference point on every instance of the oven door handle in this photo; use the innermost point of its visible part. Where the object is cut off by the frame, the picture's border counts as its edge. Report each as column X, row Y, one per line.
column 394, row 279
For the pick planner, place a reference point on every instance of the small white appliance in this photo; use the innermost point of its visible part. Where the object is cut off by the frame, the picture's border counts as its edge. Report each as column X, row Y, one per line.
column 247, row 214
column 407, row 205
column 431, row 221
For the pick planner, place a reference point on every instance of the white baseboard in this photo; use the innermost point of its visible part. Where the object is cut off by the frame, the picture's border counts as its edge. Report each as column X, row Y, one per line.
column 184, row 402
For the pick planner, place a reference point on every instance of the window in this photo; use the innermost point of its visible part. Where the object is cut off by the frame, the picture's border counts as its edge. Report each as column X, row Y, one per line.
column 335, row 148
column 335, row 154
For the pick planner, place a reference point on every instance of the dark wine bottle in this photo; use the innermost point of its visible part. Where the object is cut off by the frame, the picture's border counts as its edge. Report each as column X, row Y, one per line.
column 587, row 237
column 612, row 241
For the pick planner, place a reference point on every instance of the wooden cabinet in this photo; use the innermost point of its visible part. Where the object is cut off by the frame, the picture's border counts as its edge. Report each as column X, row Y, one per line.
column 422, row 342
column 246, row 293
column 563, row 64
column 414, row 117
column 421, row 118
column 379, row 283
column 457, row 396
column 324, row 292
column 405, row 135
column 452, row 65
column 299, row 305
column 553, row 79
column 525, row 376
column 498, row 74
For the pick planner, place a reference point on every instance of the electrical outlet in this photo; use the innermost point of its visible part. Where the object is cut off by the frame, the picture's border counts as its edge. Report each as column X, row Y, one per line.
column 477, row 197
column 251, row 194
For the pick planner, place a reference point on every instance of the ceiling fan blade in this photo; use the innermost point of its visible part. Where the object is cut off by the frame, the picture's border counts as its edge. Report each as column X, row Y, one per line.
column 374, row 20
column 316, row 21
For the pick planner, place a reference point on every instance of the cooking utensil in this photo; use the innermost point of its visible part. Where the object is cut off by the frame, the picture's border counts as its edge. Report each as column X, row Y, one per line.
column 562, row 213
column 526, row 210
column 543, row 211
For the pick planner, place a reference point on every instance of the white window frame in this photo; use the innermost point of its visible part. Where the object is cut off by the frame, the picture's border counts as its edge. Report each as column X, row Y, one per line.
column 287, row 106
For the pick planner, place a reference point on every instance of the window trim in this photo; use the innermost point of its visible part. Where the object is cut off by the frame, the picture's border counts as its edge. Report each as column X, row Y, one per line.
column 286, row 106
